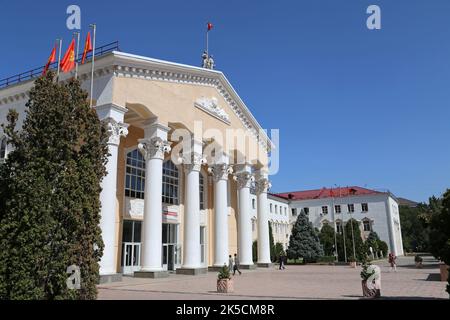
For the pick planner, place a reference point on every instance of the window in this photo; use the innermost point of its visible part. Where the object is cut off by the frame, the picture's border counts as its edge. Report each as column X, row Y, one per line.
column 276, row 209
column 271, row 208
column 324, row 209
column 337, row 208
column 306, row 210
column 253, row 203
column 338, row 227
column 367, row 225
column 364, row 207
column 202, row 191
column 170, row 183
column 351, row 207
column 285, row 211
column 294, row 212
column 135, row 175
column 2, row 148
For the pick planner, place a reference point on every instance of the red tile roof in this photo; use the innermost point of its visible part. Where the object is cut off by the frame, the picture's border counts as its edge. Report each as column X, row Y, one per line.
column 326, row 193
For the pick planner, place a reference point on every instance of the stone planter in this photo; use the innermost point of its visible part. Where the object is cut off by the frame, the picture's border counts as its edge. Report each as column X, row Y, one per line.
column 444, row 271
column 419, row 265
column 225, row 285
column 352, row 264
column 370, row 293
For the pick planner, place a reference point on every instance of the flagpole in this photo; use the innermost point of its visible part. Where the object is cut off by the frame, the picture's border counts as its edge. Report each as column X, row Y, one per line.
column 59, row 59
column 94, row 28
column 207, row 51
column 76, row 56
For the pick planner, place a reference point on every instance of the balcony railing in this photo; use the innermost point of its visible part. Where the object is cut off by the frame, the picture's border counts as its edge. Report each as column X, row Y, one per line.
column 24, row 76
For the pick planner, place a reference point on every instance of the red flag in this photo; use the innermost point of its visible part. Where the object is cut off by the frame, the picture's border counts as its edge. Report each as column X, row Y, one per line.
column 210, row 26
column 68, row 61
column 50, row 60
column 87, row 47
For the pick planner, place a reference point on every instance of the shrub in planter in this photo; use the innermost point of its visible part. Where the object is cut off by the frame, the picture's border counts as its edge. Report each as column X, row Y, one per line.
column 418, row 260
column 224, row 281
column 370, row 281
column 352, row 262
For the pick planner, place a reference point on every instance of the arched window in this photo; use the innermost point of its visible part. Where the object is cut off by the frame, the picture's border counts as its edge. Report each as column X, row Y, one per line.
column 202, row 191
column 135, row 175
column 3, row 148
column 271, row 208
column 367, row 225
column 170, row 183
column 253, row 203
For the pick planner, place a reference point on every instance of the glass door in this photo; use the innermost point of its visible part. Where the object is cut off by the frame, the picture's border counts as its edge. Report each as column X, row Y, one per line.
column 170, row 247
column 131, row 247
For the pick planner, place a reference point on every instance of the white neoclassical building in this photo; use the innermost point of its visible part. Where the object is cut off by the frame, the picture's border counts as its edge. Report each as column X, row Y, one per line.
column 374, row 210
column 165, row 209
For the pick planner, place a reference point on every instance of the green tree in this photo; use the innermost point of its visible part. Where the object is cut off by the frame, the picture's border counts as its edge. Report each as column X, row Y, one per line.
column 372, row 242
column 440, row 232
column 383, row 248
column 278, row 250
column 326, row 237
column 415, row 230
column 304, row 241
column 271, row 243
column 359, row 246
column 50, row 186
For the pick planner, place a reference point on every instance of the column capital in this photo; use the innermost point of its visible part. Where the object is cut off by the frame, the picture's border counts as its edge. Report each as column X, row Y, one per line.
column 220, row 171
column 116, row 130
column 262, row 185
column 153, row 148
column 244, row 179
column 193, row 161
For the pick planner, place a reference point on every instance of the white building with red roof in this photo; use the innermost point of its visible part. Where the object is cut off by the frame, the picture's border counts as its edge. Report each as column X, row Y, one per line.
column 374, row 210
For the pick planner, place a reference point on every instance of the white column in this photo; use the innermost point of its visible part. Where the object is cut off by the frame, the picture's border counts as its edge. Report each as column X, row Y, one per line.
column 153, row 147
column 191, row 244
column 113, row 116
column 262, row 184
column 244, row 179
column 220, row 176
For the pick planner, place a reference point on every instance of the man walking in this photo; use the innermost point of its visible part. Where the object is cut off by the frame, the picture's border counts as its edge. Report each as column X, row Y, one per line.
column 236, row 265
column 230, row 263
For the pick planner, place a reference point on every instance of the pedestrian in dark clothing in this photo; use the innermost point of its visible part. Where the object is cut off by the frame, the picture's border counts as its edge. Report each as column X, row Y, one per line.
column 282, row 261
column 236, row 265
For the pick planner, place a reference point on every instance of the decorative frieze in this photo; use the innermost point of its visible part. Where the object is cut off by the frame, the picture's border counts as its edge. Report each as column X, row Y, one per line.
column 211, row 106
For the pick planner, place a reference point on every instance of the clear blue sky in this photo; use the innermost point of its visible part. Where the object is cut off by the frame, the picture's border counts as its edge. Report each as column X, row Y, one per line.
column 354, row 107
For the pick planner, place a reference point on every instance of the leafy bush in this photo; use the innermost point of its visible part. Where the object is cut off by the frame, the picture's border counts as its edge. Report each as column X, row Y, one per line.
column 382, row 246
column 224, row 273
column 418, row 258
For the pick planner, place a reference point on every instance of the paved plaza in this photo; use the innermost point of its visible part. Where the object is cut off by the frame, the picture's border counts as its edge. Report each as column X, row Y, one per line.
column 296, row 282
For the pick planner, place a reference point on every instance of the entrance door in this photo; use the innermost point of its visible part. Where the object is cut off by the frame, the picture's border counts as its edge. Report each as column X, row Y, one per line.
column 169, row 246
column 131, row 257
column 131, row 246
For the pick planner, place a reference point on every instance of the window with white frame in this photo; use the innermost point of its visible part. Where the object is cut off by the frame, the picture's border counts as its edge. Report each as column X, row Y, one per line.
column 351, row 207
column 253, row 203
column 337, row 208
column 324, row 209
column 294, row 211
column 276, row 209
column 364, row 207
column 135, row 175
column 271, row 208
column 367, row 225
column 306, row 210
column 170, row 183
column 202, row 191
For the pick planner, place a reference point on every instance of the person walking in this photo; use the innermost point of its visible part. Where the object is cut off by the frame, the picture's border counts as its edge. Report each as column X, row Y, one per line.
column 230, row 263
column 236, row 265
column 392, row 262
column 281, row 258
